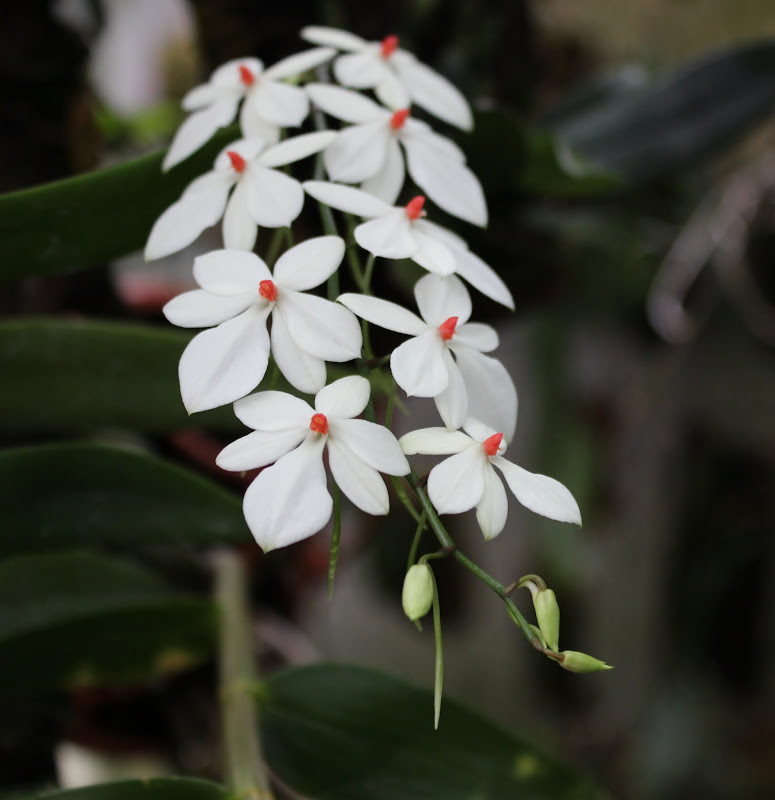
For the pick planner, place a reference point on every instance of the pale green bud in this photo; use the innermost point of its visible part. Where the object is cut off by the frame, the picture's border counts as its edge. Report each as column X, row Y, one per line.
column 548, row 616
column 574, row 661
column 417, row 594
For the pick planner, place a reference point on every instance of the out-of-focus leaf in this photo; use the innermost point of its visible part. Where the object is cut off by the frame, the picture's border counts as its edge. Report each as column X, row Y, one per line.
column 78, row 619
column 68, row 496
column 346, row 733
column 152, row 789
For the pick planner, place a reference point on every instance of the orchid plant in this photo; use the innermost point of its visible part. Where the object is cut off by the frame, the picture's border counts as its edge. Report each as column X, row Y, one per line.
column 256, row 314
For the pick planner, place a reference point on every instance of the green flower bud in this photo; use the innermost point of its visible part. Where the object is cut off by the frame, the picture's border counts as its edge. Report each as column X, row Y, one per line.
column 548, row 616
column 417, row 594
column 581, row 662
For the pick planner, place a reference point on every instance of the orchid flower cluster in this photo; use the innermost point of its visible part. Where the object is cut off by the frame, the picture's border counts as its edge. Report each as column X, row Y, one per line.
column 252, row 311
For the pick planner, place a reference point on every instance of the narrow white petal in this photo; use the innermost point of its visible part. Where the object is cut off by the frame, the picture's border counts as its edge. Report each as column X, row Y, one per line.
column 390, row 236
column 434, row 442
column 482, row 277
column 431, row 253
column 222, row 364
column 361, row 483
column 303, row 371
column 493, row 508
column 388, row 181
column 200, row 96
column 344, row 398
column 239, row 230
column 452, row 403
column 346, row 198
column 296, row 148
column 273, row 411
column 477, row 336
column 279, row 103
column 321, row 328
column 374, row 444
column 539, row 493
column 477, row 430
column 227, row 76
column 440, row 298
column 392, row 92
column 387, row 315
column 200, row 309
column 441, row 145
column 274, row 198
column 358, row 152
column 249, row 148
column 259, row 448
column 360, row 70
column 344, row 104
column 457, row 483
column 333, row 37
column 299, row 62
column 289, row 501
column 230, row 272
column 199, row 128
column 310, row 263
column 418, row 365
column 254, row 126
column 435, row 94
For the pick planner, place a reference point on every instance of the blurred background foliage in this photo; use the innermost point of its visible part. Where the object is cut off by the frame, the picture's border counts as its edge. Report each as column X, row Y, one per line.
column 628, row 162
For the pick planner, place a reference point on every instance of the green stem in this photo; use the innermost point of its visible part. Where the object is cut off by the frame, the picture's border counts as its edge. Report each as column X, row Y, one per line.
column 336, row 534
column 368, row 272
column 416, row 541
column 438, row 672
column 403, row 496
column 274, row 246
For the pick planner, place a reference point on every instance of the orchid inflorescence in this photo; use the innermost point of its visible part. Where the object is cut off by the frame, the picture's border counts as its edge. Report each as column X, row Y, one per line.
column 251, row 312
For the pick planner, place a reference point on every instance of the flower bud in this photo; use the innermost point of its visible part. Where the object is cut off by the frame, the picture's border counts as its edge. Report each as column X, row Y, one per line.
column 417, row 594
column 548, row 616
column 581, row 662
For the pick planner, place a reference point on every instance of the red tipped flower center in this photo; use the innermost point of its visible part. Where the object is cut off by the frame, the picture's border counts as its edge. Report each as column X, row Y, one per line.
column 389, row 45
column 492, row 444
column 246, row 76
column 268, row 290
column 319, row 423
column 237, row 161
column 398, row 119
column 414, row 207
column 447, row 328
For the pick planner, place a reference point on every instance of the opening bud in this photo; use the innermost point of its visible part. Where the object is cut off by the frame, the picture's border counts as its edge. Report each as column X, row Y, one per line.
column 574, row 661
column 417, row 594
column 548, row 616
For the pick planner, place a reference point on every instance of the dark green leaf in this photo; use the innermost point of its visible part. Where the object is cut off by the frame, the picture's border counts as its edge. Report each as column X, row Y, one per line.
column 153, row 789
column 69, row 496
column 79, row 619
column 346, row 733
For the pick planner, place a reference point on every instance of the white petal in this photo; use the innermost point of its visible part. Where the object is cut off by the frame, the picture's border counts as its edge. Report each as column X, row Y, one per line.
column 278, row 103
column 239, row 230
column 477, row 336
column 434, row 442
column 374, row 444
column 333, row 37
column 440, row 298
column 274, row 411
column 321, row 328
column 390, row 236
column 346, row 198
column 493, row 508
column 259, row 448
column 360, row 70
column 457, row 483
column 387, row 315
column 222, row 364
column 358, row 152
column 344, row 104
column 391, row 92
column 539, row 493
column 289, row 501
column 435, row 93
column 185, row 219
column 200, row 309
column 248, row 148
column 418, row 365
column 303, row 371
column 310, row 263
column 344, row 398
column 227, row 76
column 200, row 96
column 441, row 145
column 388, row 181
column 296, row 148
column 452, row 403
column 299, row 62
column 252, row 125
column 274, row 198
column 361, row 483
column 199, row 128
column 230, row 272
column 479, row 431
column 431, row 253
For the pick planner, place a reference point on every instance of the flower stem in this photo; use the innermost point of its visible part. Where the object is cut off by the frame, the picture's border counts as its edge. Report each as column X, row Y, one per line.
column 244, row 770
column 438, row 672
column 335, row 535
column 416, row 541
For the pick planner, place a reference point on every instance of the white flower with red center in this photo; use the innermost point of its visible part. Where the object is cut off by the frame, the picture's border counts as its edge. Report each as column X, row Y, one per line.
column 238, row 294
column 262, row 195
column 397, row 77
column 404, row 232
column 368, row 152
column 468, row 479
column 269, row 103
column 290, row 501
column 468, row 384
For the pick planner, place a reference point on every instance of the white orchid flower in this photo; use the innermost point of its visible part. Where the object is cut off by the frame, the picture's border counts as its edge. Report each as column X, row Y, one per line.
column 471, row 383
column 270, row 104
column 368, row 152
column 238, row 294
column 468, row 479
column 289, row 501
column 404, row 232
column 261, row 196
column 396, row 76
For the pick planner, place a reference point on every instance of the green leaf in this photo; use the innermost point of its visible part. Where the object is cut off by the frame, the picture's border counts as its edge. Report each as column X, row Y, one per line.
column 87, row 220
column 79, row 619
column 69, row 496
column 152, row 789
column 346, row 733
